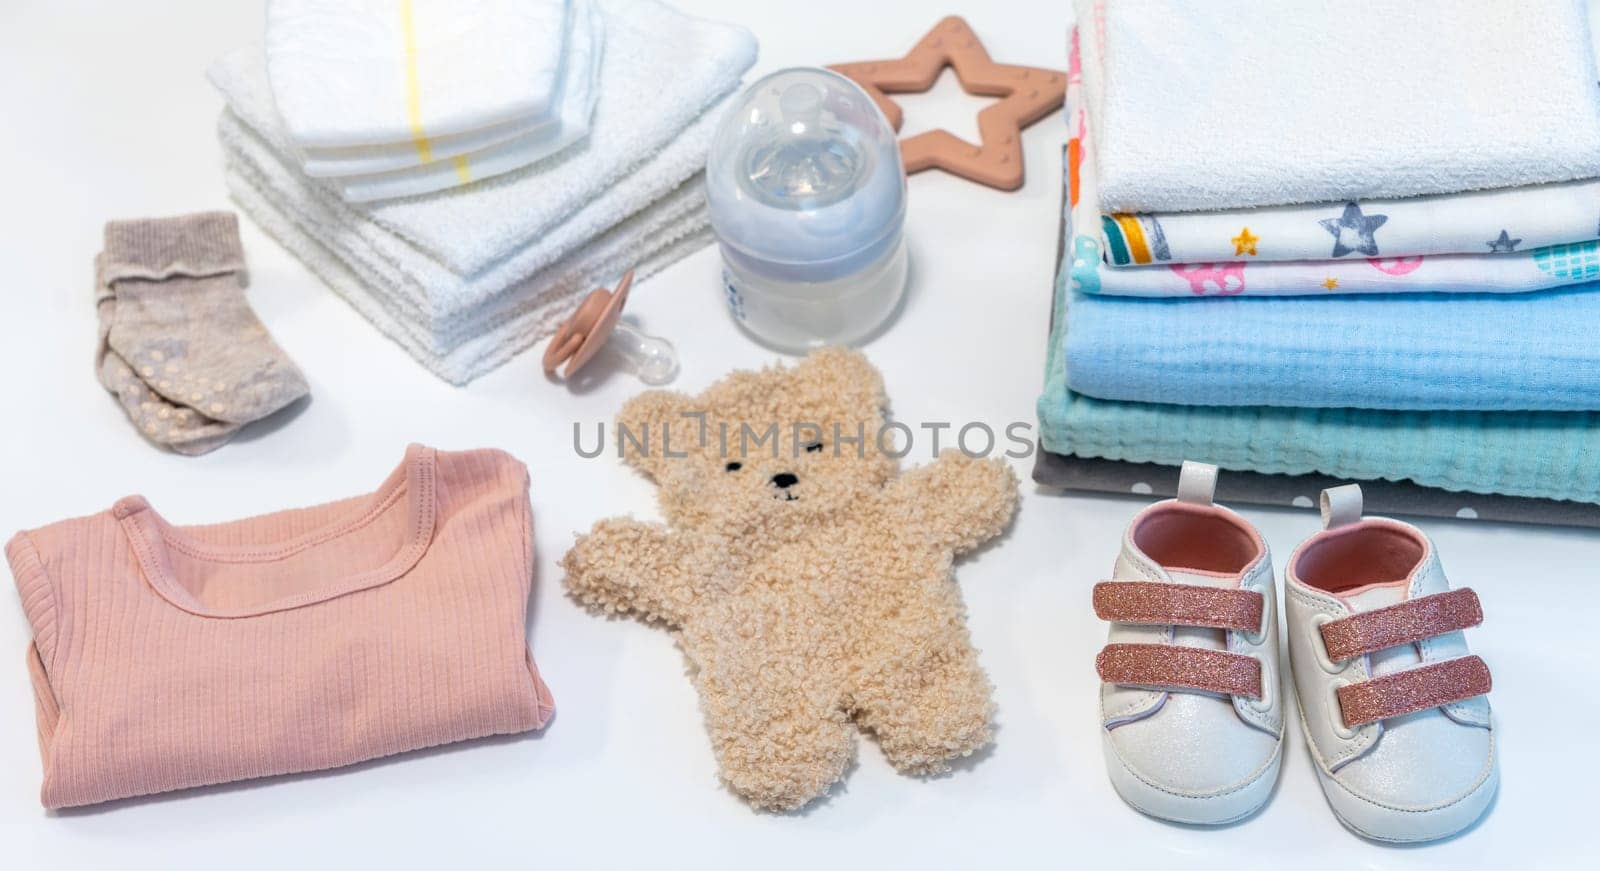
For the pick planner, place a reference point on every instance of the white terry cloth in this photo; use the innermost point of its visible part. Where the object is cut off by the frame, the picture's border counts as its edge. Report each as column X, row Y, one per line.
column 364, row 72
column 1235, row 103
column 547, row 298
column 444, row 299
column 401, row 274
column 565, row 123
column 661, row 69
column 572, row 110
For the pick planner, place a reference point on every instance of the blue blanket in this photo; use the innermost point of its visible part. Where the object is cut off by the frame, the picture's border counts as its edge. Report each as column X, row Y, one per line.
column 1536, row 351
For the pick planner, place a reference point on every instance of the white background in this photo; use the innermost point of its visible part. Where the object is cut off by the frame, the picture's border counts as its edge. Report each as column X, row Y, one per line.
column 107, row 114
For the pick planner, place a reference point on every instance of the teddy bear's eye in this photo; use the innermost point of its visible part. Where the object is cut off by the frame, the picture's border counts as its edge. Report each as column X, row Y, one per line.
column 813, row 447
column 734, row 466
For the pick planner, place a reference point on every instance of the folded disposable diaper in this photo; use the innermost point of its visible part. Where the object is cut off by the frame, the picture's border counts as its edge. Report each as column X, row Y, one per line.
column 467, row 115
column 395, row 170
column 365, row 72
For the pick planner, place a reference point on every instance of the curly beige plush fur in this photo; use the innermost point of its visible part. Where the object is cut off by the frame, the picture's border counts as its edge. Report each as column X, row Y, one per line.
column 809, row 584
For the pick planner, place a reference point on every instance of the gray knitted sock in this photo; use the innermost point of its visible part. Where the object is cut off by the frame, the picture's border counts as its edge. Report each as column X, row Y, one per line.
column 180, row 346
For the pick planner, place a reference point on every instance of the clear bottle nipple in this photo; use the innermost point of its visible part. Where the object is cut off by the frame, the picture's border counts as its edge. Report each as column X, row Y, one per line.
column 805, row 161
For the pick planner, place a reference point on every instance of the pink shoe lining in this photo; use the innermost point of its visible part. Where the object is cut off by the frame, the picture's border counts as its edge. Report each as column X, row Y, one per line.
column 1197, row 539
column 1356, row 558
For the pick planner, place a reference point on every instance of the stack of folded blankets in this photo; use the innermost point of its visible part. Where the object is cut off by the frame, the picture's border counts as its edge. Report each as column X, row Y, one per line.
column 462, row 173
column 1354, row 241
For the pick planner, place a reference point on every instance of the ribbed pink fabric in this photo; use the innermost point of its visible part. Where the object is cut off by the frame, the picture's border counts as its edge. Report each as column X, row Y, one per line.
column 167, row 657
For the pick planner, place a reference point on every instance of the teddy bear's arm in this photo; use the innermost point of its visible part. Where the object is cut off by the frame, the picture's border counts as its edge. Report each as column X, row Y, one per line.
column 958, row 501
column 623, row 565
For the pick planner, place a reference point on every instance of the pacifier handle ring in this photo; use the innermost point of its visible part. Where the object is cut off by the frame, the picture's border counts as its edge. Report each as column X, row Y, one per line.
column 588, row 329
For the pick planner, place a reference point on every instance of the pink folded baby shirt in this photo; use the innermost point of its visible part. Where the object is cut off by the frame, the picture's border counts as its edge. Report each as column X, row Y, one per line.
column 166, row 656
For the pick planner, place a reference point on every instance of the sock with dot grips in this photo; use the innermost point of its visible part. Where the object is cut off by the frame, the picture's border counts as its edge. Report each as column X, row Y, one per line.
column 180, row 346
column 176, row 426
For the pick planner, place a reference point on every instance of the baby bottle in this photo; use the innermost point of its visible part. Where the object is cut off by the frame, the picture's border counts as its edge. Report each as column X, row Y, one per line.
column 808, row 202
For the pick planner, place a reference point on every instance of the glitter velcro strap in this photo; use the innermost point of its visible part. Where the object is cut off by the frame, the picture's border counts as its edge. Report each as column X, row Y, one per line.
column 1170, row 666
column 1416, row 689
column 1177, row 605
column 1407, row 622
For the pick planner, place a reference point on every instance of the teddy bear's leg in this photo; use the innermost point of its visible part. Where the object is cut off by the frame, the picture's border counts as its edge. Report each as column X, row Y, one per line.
column 928, row 706
column 778, row 746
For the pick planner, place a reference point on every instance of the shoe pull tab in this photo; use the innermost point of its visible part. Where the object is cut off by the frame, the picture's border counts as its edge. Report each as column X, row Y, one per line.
column 1341, row 506
column 1197, row 483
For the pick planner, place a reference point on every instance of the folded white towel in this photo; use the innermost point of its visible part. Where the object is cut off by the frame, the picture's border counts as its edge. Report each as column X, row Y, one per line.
column 363, row 72
column 548, row 297
column 661, row 69
column 447, row 301
column 541, row 139
column 538, row 137
column 441, row 310
column 1235, row 103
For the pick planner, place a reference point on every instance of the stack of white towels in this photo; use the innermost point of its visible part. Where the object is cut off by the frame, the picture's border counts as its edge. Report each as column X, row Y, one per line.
column 462, row 173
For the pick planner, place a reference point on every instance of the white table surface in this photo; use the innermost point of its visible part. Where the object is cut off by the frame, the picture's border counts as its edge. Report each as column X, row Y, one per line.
column 108, row 115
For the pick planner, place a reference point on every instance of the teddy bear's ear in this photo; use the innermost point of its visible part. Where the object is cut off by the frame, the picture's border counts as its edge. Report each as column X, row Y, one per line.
column 839, row 384
column 652, row 425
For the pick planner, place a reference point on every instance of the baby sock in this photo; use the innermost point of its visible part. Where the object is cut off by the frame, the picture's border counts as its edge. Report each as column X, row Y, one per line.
column 175, row 319
column 178, row 427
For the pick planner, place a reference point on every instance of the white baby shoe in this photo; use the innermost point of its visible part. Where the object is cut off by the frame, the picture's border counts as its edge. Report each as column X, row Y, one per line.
column 1392, row 704
column 1191, row 708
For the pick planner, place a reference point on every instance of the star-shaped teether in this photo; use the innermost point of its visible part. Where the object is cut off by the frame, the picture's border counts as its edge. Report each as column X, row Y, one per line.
column 1029, row 94
column 1352, row 231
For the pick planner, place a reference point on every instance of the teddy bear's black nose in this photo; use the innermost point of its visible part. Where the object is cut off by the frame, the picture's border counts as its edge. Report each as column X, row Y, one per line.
column 784, row 480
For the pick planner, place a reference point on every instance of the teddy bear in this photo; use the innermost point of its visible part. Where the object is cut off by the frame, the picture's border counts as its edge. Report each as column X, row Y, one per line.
column 809, row 583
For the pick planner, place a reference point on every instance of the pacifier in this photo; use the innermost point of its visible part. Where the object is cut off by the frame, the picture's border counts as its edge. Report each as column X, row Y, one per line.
column 597, row 324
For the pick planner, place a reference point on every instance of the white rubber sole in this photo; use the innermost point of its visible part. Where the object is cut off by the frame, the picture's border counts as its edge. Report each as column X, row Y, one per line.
column 1226, row 805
